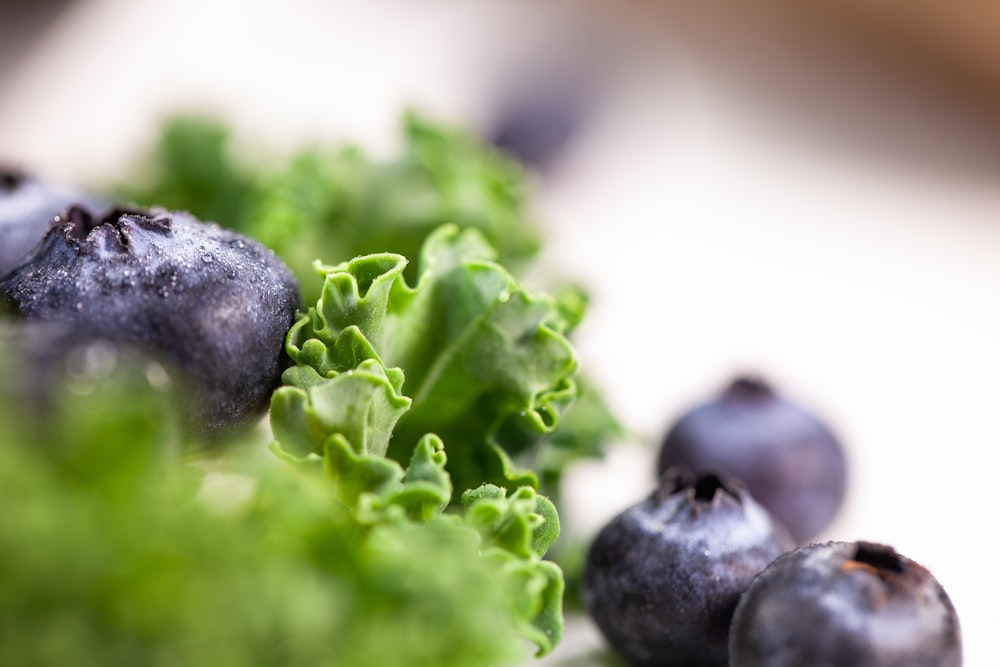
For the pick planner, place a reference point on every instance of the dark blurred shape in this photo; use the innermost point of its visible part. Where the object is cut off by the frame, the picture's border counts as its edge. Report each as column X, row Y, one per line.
column 538, row 118
column 21, row 25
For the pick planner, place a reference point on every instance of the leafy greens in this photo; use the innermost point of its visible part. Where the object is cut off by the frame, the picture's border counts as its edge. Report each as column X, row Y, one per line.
column 486, row 363
column 344, row 557
column 393, row 513
column 338, row 203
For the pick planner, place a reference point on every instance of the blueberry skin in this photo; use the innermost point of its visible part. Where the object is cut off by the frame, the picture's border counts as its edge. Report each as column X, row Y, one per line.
column 845, row 604
column 27, row 207
column 662, row 579
column 212, row 303
column 788, row 458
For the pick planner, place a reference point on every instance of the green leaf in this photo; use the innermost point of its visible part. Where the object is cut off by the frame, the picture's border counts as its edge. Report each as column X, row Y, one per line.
column 421, row 492
column 117, row 549
column 335, row 203
column 516, row 532
column 426, row 485
column 354, row 474
column 484, row 367
column 360, row 404
column 488, row 370
column 524, row 523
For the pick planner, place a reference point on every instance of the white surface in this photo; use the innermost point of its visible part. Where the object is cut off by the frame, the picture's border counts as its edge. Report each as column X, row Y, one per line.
column 717, row 233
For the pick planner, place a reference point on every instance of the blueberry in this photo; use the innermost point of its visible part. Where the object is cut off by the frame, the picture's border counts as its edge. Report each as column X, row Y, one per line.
column 212, row 303
column 27, row 207
column 788, row 458
column 845, row 604
column 538, row 120
column 662, row 579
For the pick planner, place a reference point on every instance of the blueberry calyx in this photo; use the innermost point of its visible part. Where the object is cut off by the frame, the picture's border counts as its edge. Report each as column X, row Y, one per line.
column 29, row 209
column 701, row 489
column 748, row 388
column 880, row 559
column 81, row 223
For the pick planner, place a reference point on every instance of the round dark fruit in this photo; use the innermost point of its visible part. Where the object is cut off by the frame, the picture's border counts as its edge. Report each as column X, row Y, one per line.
column 662, row 579
column 845, row 604
column 27, row 208
column 539, row 120
column 788, row 458
column 210, row 302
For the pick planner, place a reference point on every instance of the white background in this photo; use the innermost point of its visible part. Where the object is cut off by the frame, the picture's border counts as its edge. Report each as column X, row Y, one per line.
column 750, row 194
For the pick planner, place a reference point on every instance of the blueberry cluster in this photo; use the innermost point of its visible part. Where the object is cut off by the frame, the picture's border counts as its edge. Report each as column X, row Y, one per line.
column 790, row 460
column 663, row 578
column 210, row 303
column 715, row 568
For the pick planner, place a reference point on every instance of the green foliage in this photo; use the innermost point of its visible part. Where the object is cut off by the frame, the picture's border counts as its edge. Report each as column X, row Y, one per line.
column 487, row 365
column 338, row 203
column 115, row 553
column 192, row 168
column 333, row 204
column 465, row 357
column 359, row 542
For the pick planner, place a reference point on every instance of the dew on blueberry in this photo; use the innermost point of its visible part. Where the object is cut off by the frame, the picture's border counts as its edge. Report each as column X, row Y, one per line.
column 788, row 457
column 136, row 277
column 662, row 579
column 845, row 604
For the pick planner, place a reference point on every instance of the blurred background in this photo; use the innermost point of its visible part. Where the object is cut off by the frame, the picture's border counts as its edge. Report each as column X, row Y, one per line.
column 807, row 193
